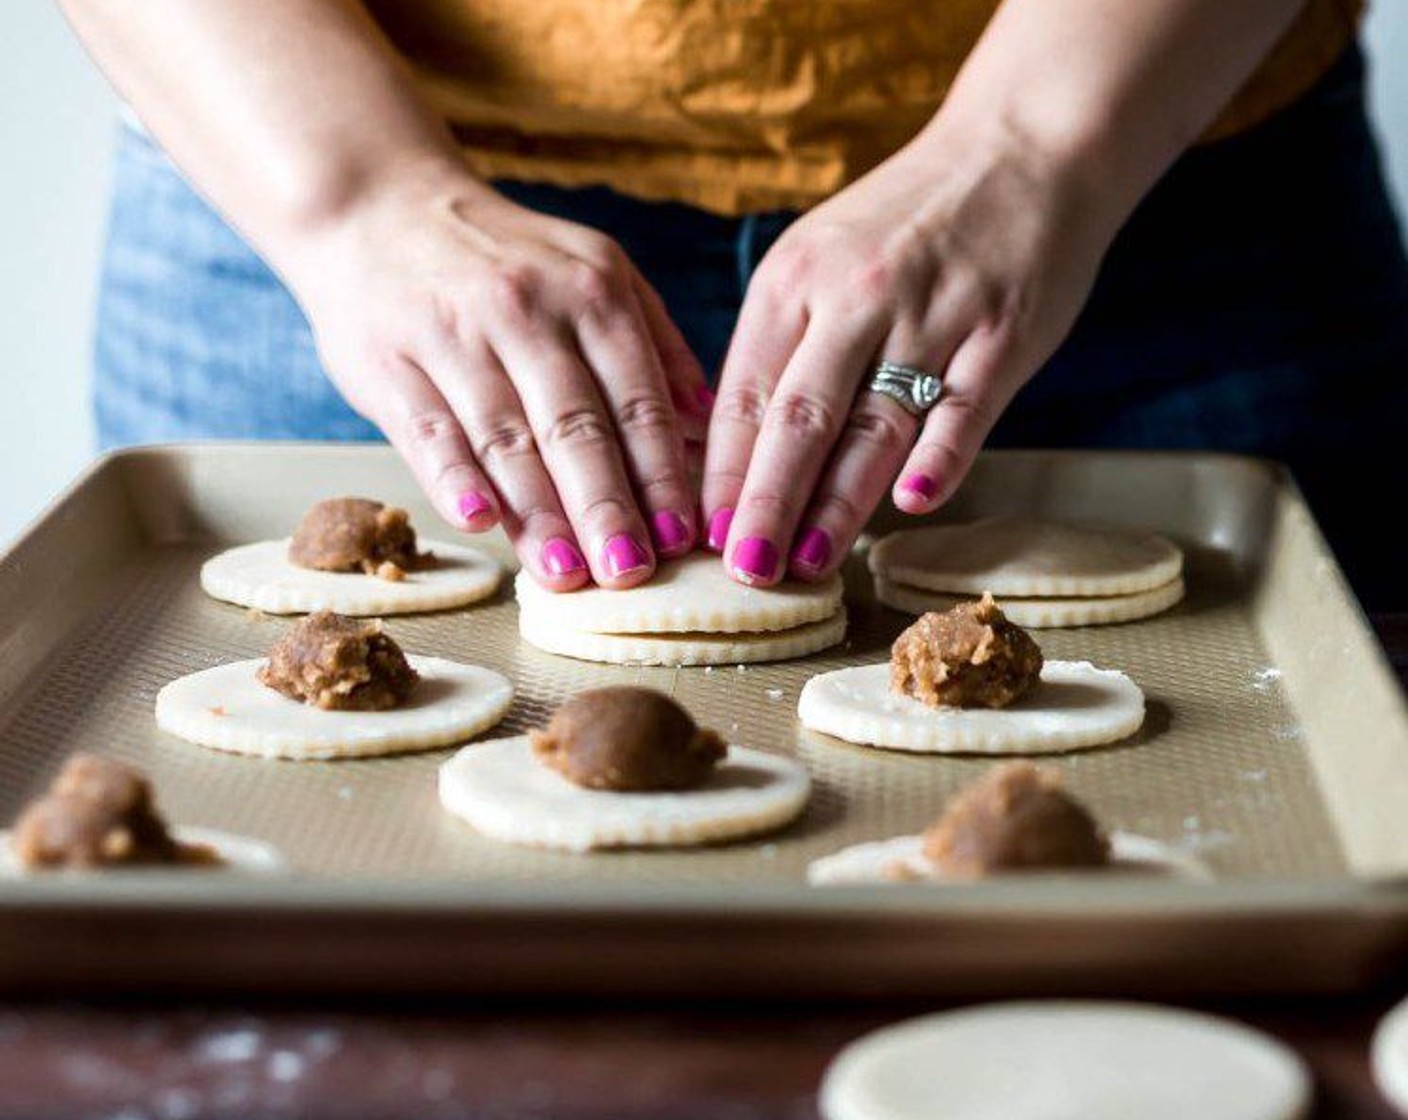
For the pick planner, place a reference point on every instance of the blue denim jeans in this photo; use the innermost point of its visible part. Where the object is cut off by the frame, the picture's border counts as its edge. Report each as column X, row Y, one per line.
column 1257, row 301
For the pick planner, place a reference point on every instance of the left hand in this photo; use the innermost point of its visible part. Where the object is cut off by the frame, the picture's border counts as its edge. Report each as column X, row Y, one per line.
column 968, row 259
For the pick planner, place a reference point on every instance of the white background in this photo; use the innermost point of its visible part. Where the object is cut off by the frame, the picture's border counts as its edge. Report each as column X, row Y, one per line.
column 56, row 126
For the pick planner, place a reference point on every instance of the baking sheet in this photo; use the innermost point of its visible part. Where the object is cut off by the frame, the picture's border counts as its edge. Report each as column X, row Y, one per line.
column 1250, row 757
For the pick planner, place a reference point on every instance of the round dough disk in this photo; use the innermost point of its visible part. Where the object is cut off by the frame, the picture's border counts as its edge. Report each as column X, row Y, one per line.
column 867, row 863
column 1075, row 705
column 260, row 576
column 1389, row 1057
column 688, row 595
column 1042, row 613
column 1014, row 556
column 227, row 709
column 501, row 789
column 680, row 649
column 240, row 853
column 1086, row 1059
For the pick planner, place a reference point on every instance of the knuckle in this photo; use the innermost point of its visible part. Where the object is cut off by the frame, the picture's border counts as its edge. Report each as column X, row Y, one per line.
column 609, row 508
column 428, row 429
column 645, row 412
column 578, row 427
column 595, row 286
column 516, row 291
column 873, row 427
column 503, row 439
column 742, row 405
column 874, row 279
column 836, row 507
column 771, row 506
column 803, row 415
column 976, row 411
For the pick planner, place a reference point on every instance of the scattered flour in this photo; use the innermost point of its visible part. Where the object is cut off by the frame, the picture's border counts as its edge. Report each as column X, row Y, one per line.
column 1264, row 680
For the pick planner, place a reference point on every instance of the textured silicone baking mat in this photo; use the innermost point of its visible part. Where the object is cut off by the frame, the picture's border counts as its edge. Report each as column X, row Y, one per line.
column 1275, row 748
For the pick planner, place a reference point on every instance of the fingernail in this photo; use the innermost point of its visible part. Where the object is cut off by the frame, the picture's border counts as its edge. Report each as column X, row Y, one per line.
column 474, row 506
column 754, row 558
column 814, row 549
column 623, row 554
column 920, row 484
column 561, row 557
column 718, row 527
column 704, row 398
column 671, row 533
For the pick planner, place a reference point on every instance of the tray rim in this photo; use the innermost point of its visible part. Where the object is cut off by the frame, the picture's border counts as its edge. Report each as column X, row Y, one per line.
column 1336, row 895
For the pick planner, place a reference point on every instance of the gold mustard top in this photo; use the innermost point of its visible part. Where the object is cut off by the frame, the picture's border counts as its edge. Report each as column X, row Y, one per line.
column 732, row 105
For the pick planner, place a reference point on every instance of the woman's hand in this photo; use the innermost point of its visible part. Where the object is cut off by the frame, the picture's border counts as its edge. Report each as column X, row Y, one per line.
column 520, row 365
column 959, row 256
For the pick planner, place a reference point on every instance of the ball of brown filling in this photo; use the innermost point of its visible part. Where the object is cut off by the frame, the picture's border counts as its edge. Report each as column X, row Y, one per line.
column 628, row 739
column 340, row 664
column 98, row 813
column 355, row 535
column 967, row 657
column 1016, row 818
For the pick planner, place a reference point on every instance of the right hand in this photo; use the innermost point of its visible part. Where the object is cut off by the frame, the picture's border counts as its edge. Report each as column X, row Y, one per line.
column 521, row 366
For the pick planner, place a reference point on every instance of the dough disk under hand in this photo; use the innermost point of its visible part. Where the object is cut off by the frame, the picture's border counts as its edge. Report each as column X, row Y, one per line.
column 690, row 595
column 547, row 633
column 502, row 789
column 261, row 576
column 227, row 709
column 1075, row 705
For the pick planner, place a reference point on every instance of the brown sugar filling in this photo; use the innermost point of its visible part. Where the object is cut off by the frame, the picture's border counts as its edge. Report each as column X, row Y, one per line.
column 340, row 664
column 628, row 739
column 968, row 657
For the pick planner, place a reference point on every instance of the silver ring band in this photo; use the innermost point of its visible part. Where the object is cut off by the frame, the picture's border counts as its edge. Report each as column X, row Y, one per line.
column 914, row 390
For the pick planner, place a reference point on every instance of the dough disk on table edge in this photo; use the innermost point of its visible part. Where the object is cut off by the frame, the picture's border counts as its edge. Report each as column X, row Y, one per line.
column 690, row 595
column 259, row 576
column 501, row 789
column 1027, row 558
column 1098, row 1060
column 865, row 863
column 240, row 853
column 1041, row 613
column 227, row 709
column 1076, row 705
column 680, row 649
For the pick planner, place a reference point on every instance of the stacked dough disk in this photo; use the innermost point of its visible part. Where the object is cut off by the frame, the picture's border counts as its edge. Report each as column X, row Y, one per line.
column 691, row 613
column 1043, row 573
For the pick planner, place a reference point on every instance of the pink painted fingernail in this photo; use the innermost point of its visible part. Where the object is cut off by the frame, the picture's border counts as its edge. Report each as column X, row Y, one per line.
column 561, row 557
column 813, row 550
column 671, row 533
column 704, row 398
column 718, row 527
column 920, row 484
column 754, row 558
column 623, row 554
column 474, row 506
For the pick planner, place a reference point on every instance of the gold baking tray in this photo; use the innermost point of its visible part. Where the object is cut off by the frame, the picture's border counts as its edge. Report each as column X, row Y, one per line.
column 1276, row 748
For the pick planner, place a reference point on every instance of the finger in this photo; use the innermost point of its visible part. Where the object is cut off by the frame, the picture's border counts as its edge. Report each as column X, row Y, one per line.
column 475, row 385
column 577, row 441
column 974, row 396
column 803, row 420
column 878, row 437
column 689, row 388
column 619, row 349
column 423, row 428
column 768, row 331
